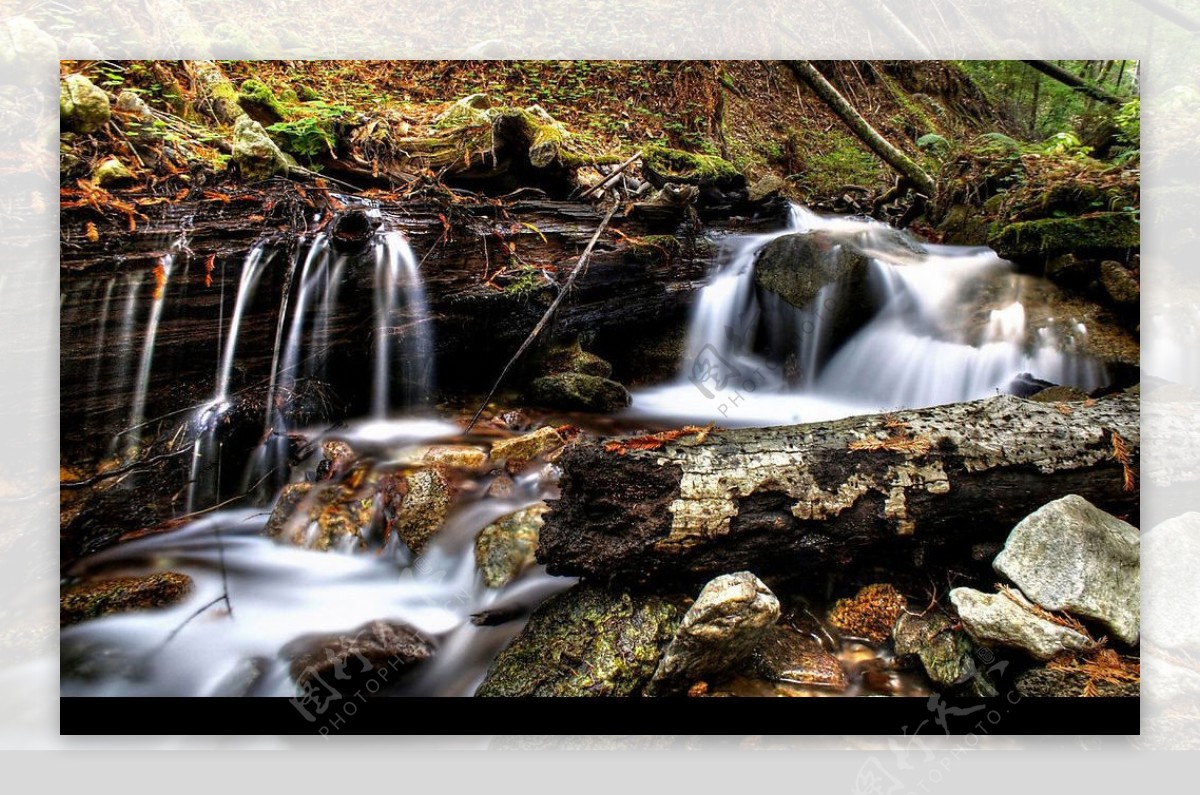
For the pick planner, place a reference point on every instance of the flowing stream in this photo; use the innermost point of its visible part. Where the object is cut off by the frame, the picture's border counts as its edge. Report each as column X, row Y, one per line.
column 752, row 359
column 931, row 340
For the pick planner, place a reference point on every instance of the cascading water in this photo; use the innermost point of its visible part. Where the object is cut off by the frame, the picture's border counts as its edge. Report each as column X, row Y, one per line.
column 948, row 326
column 303, row 336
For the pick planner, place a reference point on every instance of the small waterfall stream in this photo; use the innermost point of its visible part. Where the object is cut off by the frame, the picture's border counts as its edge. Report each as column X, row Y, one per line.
column 949, row 326
column 935, row 336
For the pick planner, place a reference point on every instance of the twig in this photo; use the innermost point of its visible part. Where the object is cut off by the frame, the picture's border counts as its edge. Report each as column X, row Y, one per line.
column 604, row 183
column 112, row 473
column 188, row 620
column 541, row 324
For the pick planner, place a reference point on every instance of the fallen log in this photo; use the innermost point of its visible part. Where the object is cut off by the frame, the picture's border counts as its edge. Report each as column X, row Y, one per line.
column 908, row 490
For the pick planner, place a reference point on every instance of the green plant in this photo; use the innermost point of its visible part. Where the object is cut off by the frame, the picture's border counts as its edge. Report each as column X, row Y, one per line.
column 1065, row 143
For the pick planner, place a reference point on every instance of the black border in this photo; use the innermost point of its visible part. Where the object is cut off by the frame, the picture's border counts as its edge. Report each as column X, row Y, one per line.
column 1009, row 714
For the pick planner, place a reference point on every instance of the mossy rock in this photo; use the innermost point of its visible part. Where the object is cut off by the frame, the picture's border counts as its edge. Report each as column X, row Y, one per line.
column 573, row 358
column 506, row 547
column 260, row 102
column 578, row 392
column 1050, row 237
column 257, row 156
column 83, row 107
column 662, row 165
column 947, row 655
column 112, row 173
column 121, row 595
column 588, row 641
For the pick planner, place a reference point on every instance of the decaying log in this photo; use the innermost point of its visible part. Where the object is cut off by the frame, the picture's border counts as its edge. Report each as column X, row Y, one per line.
column 907, row 490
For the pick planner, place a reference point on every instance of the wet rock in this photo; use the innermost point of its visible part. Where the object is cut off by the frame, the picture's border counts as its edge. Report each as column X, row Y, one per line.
column 323, row 517
column 787, row 655
column 1026, row 385
column 1045, row 238
column 506, row 547
column 122, row 595
column 243, row 680
column 82, row 106
column 1052, row 683
column 338, row 460
column 588, row 641
column 520, row 450
column 1067, row 270
column 1008, row 619
column 1070, row 555
column 798, row 268
column 415, row 505
column 1059, row 394
column 377, row 650
column 457, row 456
column 578, row 392
column 255, row 153
column 112, row 173
column 1119, row 283
column 870, row 614
column 766, row 187
column 573, row 359
column 722, row 627
column 946, row 654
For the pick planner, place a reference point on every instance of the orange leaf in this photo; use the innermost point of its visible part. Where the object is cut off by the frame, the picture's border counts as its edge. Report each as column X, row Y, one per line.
column 209, row 264
column 93, row 234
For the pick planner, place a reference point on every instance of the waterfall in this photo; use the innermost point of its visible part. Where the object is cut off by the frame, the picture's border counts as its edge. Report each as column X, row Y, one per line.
column 305, row 329
column 948, row 325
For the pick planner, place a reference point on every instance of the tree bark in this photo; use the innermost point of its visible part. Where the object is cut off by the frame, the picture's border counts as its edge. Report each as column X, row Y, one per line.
column 806, row 498
column 1076, row 82
column 902, row 163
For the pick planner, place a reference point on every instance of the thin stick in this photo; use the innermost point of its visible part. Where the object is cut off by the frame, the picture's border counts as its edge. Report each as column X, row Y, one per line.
column 541, row 325
column 112, row 473
column 604, row 183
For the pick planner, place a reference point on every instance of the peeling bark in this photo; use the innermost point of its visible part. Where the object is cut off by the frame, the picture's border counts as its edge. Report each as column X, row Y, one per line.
column 793, row 499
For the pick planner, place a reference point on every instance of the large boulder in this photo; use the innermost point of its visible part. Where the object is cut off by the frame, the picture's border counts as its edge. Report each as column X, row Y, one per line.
column 1070, row 555
column 1115, row 234
column 720, row 629
column 1007, row 619
column 588, row 641
column 578, row 392
column 83, row 107
column 798, row 267
column 256, row 155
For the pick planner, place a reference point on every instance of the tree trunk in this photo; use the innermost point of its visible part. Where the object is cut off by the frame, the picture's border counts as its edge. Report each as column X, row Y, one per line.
column 1076, row 82
column 912, row 491
column 805, row 71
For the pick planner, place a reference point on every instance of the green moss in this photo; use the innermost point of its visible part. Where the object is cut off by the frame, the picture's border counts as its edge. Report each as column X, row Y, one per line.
column 831, row 160
column 654, row 248
column 586, row 642
column 1052, row 236
column 256, row 98
column 676, row 165
column 529, row 280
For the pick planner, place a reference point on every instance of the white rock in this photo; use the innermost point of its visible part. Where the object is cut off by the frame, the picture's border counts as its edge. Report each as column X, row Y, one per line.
column 1070, row 555
column 1011, row 621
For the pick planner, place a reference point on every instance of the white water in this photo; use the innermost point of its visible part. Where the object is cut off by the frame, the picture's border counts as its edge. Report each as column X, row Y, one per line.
column 307, row 306
column 924, row 346
column 279, row 593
